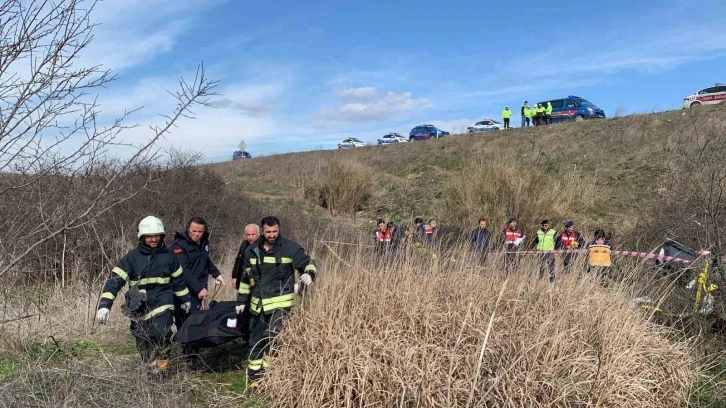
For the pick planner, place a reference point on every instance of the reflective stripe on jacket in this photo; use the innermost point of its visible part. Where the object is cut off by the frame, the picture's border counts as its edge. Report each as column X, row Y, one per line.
column 157, row 274
column 269, row 276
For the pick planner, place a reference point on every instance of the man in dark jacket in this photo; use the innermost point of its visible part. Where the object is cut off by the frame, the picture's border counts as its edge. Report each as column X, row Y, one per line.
column 252, row 233
column 155, row 280
column 269, row 270
column 569, row 239
column 480, row 239
column 191, row 248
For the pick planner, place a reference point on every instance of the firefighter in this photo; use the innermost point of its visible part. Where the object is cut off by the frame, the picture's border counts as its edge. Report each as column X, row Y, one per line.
column 511, row 239
column 540, row 112
column 191, row 248
column 545, row 241
column 155, row 279
column 569, row 239
column 382, row 236
column 269, row 283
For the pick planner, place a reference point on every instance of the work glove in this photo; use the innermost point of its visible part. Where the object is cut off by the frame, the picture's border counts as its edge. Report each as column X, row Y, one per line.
column 186, row 306
column 219, row 280
column 102, row 315
column 306, row 279
column 239, row 309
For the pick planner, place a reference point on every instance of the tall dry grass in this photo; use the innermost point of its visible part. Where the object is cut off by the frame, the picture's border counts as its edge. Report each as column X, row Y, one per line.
column 450, row 334
column 343, row 186
column 499, row 187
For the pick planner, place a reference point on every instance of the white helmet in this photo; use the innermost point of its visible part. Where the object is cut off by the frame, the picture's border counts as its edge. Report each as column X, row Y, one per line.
column 151, row 226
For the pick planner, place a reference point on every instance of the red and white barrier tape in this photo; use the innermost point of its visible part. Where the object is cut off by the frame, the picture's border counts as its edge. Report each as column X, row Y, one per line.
column 635, row 254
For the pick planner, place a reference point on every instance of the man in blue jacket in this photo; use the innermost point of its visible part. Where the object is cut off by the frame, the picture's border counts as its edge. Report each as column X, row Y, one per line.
column 191, row 248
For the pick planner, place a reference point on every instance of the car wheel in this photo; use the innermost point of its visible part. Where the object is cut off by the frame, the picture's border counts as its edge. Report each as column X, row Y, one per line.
column 579, row 118
column 695, row 104
column 471, row 131
column 495, row 129
column 396, row 141
column 380, row 143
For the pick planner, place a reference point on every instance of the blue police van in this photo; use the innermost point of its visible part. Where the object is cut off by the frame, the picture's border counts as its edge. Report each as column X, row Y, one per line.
column 573, row 108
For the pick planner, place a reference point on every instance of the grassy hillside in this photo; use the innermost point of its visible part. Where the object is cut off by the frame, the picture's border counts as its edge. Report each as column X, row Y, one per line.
column 602, row 173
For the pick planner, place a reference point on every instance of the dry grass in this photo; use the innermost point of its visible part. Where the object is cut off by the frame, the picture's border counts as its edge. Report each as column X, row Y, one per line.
column 414, row 335
column 499, row 187
column 343, row 187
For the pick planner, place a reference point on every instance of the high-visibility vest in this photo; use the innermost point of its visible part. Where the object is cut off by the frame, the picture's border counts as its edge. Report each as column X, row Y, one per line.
column 383, row 236
column 511, row 235
column 506, row 114
column 548, row 109
column 546, row 240
column 600, row 255
column 569, row 240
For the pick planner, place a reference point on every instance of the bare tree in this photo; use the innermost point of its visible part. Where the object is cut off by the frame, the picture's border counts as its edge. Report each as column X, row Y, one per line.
column 55, row 176
column 693, row 192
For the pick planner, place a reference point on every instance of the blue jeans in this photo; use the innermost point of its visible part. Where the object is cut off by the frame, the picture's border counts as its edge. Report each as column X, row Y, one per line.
column 524, row 120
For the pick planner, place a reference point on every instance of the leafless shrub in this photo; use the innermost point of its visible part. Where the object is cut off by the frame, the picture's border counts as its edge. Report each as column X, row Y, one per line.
column 58, row 179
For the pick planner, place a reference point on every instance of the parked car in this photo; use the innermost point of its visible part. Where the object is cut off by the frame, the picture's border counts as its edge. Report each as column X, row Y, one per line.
column 392, row 138
column 424, row 132
column 350, row 142
column 240, row 154
column 708, row 96
column 486, row 125
column 573, row 108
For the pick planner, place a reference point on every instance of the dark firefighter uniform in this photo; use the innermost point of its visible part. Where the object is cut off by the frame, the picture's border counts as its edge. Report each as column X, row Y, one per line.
column 157, row 275
column 268, row 285
column 195, row 262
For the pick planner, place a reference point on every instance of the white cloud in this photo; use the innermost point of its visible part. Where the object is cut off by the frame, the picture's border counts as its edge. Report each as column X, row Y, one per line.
column 360, row 94
column 131, row 32
column 370, row 105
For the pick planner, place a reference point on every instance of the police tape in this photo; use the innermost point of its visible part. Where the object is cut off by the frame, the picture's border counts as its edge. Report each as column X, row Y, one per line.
column 635, row 254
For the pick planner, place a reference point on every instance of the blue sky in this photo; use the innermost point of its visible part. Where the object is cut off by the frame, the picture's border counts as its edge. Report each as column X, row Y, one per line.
column 299, row 76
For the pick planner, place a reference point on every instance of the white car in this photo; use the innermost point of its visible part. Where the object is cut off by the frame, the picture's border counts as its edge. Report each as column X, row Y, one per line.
column 392, row 138
column 350, row 142
column 486, row 125
column 708, row 96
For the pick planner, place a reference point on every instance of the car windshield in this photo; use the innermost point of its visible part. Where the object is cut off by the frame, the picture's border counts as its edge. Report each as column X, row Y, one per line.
column 584, row 102
column 356, row 140
column 496, row 122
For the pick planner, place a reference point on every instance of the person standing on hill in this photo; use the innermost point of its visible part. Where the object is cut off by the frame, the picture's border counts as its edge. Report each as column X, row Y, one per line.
column 155, row 280
column 545, row 242
column 506, row 115
column 599, row 255
column 480, row 239
column 398, row 236
column 269, row 268
column 524, row 111
column 569, row 239
column 252, row 233
column 512, row 238
column 382, row 236
column 191, row 248
column 540, row 112
column 548, row 113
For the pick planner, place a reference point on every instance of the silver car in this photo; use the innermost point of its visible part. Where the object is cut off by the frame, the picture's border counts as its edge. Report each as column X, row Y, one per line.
column 708, row 96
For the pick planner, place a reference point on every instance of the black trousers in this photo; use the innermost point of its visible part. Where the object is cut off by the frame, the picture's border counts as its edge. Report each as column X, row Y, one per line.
column 547, row 263
column 263, row 329
column 191, row 353
column 153, row 337
column 506, row 123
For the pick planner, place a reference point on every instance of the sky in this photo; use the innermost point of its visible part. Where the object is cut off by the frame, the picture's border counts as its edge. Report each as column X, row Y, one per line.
column 297, row 76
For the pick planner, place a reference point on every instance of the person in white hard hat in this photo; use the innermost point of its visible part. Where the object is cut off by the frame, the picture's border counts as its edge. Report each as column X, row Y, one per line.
column 155, row 278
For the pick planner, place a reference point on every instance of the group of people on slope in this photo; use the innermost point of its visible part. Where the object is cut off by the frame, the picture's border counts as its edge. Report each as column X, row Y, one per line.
column 547, row 239
column 537, row 115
